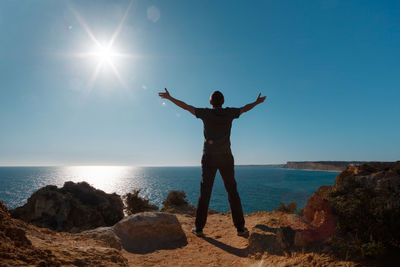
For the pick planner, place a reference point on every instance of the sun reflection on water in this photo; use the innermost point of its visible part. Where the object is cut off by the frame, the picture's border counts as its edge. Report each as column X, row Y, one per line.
column 107, row 178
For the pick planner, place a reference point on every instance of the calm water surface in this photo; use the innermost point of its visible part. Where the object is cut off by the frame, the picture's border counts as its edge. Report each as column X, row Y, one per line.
column 259, row 188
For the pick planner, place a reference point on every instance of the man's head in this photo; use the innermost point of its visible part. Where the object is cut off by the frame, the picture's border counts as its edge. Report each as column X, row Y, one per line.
column 217, row 99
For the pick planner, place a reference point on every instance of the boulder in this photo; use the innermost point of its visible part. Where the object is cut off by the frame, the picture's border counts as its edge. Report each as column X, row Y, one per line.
column 74, row 207
column 149, row 231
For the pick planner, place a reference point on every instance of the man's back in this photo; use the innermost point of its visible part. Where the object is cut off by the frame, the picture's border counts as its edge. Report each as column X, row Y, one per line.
column 217, row 128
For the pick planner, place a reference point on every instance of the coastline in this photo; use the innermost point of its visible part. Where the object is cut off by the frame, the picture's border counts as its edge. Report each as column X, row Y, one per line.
column 312, row 170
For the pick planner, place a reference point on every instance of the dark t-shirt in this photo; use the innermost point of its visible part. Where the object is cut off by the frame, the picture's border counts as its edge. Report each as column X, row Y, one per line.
column 217, row 128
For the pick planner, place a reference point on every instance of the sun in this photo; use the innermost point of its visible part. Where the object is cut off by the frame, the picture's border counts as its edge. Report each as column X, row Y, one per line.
column 104, row 54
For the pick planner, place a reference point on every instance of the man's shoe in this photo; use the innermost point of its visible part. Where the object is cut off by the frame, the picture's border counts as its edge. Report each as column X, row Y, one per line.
column 242, row 231
column 197, row 232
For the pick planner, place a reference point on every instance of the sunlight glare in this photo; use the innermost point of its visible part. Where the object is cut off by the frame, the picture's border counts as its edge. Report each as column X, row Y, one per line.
column 101, row 177
column 104, row 53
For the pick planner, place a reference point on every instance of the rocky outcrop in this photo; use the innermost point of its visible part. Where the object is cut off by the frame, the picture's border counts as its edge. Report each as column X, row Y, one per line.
column 366, row 202
column 74, row 207
column 149, row 231
column 362, row 208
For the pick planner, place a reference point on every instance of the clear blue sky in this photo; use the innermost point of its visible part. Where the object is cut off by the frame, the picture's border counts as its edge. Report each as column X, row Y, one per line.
column 330, row 70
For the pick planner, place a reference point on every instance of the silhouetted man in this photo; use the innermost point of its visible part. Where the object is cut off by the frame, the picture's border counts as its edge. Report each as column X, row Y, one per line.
column 217, row 155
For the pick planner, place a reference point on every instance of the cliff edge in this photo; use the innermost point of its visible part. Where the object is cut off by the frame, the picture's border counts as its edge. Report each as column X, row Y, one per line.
column 355, row 222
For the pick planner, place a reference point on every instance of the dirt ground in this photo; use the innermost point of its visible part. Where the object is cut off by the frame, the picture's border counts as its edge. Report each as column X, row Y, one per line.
column 222, row 247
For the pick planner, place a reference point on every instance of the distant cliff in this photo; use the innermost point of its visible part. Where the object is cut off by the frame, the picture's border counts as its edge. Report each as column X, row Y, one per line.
column 321, row 165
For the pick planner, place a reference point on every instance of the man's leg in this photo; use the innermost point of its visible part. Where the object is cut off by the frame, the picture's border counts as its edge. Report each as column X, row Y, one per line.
column 228, row 175
column 208, row 172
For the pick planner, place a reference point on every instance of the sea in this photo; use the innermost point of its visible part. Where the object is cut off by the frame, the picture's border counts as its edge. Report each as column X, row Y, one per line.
column 260, row 188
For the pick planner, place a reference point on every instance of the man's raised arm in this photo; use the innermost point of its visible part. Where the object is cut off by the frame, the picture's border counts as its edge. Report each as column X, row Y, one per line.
column 260, row 99
column 177, row 102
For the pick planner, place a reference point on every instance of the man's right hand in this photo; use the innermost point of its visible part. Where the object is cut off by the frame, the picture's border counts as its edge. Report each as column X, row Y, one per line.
column 260, row 99
column 165, row 94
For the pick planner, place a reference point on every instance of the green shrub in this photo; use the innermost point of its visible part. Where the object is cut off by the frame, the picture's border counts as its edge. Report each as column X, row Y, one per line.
column 175, row 198
column 290, row 208
column 135, row 203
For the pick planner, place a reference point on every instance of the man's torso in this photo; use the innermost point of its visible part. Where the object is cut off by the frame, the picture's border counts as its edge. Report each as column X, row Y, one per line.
column 217, row 128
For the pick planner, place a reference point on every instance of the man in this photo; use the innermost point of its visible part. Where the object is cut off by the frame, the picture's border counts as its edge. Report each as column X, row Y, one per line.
column 217, row 155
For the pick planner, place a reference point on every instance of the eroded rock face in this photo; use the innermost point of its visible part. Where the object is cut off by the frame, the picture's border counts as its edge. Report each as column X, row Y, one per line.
column 74, row 207
column 149, row 231
column 318, row 214
column 10, row 232
column 15, row 248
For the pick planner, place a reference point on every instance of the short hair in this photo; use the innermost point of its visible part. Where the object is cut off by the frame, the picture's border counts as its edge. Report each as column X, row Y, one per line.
column 217, row 99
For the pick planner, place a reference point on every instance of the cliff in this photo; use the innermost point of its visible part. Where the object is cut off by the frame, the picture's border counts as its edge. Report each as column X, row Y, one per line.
column 321, row 165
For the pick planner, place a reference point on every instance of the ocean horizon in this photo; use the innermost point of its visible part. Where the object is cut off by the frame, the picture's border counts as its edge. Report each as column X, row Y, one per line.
column 260, row 187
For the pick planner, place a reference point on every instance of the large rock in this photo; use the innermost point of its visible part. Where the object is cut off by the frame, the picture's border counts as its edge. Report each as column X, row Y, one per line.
column 272, row 240
column 74, row 207
column 149, row 231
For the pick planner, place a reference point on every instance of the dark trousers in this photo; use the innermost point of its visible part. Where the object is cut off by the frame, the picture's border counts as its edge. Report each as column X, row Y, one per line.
column 210, row 163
